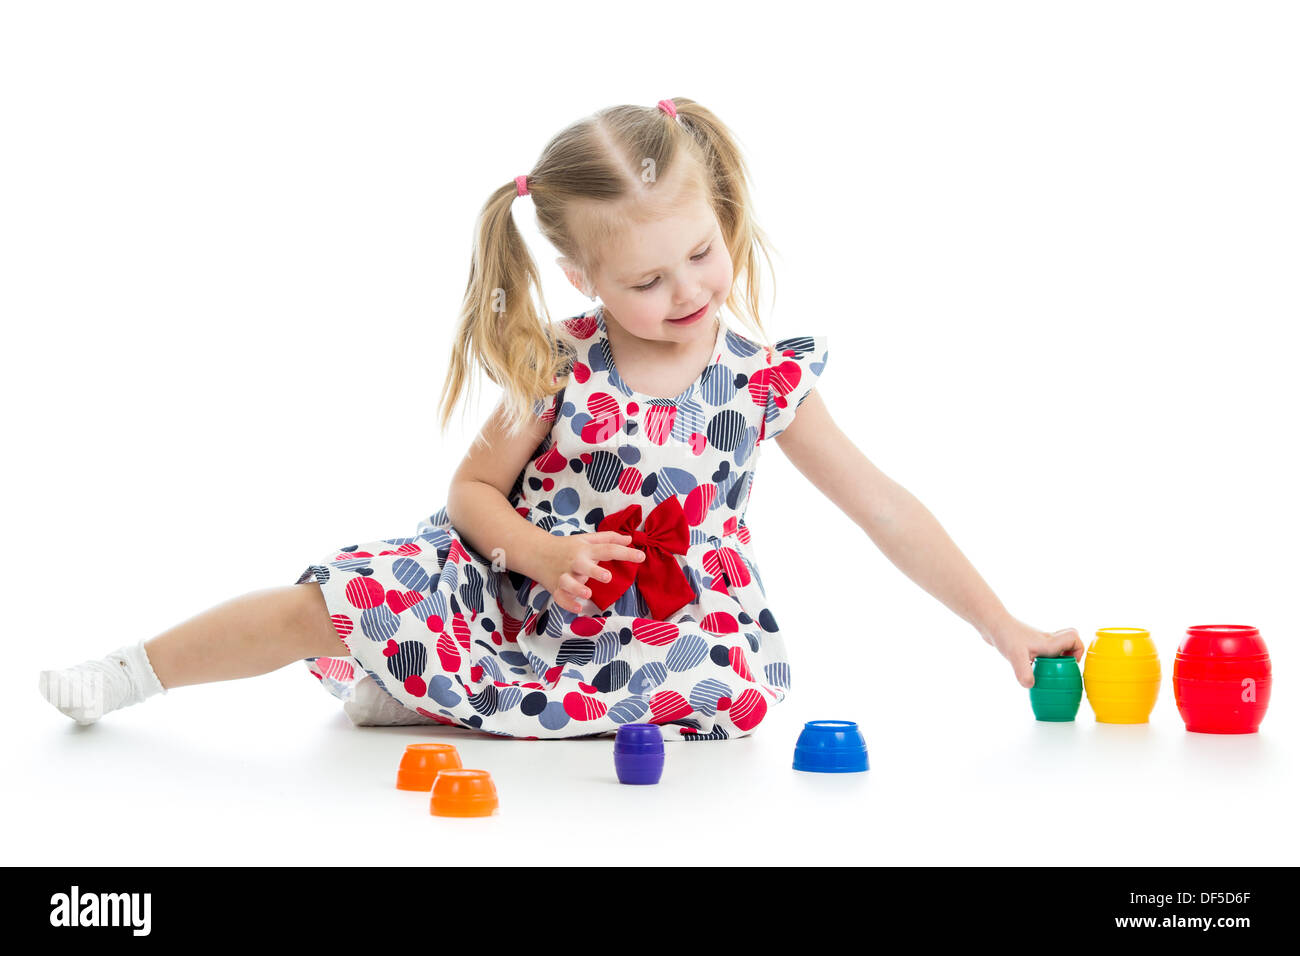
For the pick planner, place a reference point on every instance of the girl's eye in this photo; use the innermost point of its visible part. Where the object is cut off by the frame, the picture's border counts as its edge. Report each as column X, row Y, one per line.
column 651, row 285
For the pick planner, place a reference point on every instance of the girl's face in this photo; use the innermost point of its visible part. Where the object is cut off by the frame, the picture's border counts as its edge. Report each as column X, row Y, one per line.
column 666, row 269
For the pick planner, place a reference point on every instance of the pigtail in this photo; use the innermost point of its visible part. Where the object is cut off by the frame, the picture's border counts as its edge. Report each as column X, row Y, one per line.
column 500, row 330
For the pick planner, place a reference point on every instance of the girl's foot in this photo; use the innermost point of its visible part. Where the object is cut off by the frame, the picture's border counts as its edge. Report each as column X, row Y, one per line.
column 92, row 689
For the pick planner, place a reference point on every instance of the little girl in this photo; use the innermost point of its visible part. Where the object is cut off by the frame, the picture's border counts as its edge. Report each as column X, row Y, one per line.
column 592, row 566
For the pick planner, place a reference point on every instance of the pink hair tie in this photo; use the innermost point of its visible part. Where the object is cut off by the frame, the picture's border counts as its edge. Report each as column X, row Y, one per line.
column 521, row 185
column 668, row 107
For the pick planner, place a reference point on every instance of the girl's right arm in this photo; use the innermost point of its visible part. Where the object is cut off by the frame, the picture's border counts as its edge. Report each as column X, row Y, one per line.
column 478, row 506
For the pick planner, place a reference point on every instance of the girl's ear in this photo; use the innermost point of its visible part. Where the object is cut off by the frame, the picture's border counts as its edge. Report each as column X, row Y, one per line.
column 574, row 275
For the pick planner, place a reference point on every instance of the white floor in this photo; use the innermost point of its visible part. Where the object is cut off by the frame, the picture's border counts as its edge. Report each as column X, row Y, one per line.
column 219, row 774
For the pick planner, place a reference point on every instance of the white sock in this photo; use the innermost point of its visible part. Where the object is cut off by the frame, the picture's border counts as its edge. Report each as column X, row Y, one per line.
column 371, row 706
column 92, row 689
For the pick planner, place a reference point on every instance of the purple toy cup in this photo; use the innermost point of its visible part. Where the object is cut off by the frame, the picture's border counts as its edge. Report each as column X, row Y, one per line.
column 639, row 753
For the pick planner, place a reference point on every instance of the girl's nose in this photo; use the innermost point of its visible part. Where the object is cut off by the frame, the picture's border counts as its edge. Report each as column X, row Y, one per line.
column 686, row 303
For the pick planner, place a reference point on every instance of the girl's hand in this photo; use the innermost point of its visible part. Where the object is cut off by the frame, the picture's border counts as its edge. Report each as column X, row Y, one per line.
column 576, row 557
column 1020, row 644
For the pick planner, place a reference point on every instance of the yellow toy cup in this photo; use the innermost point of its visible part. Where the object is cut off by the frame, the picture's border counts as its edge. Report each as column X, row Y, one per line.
column 1121, row 675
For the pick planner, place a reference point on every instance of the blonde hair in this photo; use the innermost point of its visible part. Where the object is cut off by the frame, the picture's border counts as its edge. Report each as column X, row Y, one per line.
column 596, row 161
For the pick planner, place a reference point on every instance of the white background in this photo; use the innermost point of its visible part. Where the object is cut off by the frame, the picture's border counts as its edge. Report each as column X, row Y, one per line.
column 1053, row 246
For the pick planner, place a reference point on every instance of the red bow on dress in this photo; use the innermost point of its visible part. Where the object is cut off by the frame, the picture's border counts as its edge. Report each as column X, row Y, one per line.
column 660, row 579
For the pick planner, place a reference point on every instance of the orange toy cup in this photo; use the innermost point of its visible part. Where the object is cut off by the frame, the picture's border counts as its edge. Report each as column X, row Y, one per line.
column 463, row 793
column 1121, row 674
column 421, row 763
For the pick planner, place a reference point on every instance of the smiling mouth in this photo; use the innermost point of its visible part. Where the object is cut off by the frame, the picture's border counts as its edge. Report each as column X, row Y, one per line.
column 693, row 315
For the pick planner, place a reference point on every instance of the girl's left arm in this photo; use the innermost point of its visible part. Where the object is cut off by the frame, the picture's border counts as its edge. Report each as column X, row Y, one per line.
column 911, row 537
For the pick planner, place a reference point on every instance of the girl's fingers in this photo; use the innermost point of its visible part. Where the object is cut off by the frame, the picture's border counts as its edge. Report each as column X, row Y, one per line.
column 594, row 570
column 621, row 553
column 1023, row 665
column 1066, row 641
column 574, row 585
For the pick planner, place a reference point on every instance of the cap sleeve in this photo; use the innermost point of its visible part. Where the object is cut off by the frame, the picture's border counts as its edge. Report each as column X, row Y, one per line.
column 791, row 373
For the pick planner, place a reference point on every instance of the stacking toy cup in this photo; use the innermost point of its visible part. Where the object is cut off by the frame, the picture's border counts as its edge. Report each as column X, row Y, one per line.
column 421, row 763
column 639, row 753
column 1057, row 689
column 1121, row 673
column 463, row 793
column 830, row 746
column 1222, row 679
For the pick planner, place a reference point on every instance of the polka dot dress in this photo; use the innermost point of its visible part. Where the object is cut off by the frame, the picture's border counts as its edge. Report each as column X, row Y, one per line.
column 458, row 637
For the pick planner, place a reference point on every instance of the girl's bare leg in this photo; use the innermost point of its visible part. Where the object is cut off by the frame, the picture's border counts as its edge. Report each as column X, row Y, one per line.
column 248, row 635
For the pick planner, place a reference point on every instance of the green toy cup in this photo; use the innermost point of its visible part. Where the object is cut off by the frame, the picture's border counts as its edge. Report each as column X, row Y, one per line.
column 1057, row 690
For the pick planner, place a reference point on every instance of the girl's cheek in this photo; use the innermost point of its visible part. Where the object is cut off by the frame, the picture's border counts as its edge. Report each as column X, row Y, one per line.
column 644, row 318
column 723, row 274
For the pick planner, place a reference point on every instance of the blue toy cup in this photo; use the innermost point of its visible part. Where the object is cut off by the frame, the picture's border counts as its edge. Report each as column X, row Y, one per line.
column 830, row 746
column 639, row 753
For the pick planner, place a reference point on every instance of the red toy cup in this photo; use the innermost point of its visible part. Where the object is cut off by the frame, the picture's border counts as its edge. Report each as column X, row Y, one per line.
column 1222, row 679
